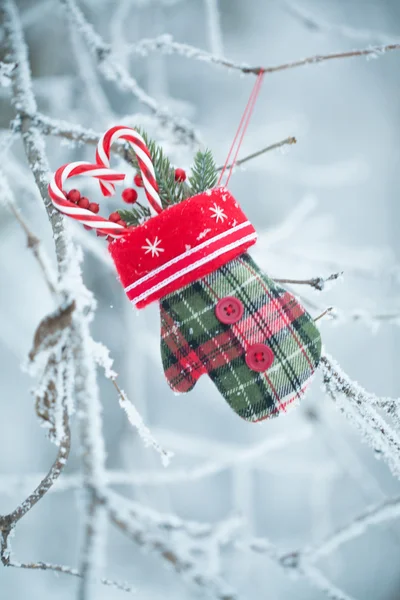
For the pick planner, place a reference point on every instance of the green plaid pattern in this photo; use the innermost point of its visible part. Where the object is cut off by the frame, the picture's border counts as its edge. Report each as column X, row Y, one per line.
column 194, row 342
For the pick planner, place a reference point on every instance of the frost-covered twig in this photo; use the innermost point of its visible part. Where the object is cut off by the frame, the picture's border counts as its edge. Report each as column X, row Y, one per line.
column 32, row 240
column 136, row 420
column 214, row 27
column 318, row 283
column 287, row 141
column 343, row 384
column 80, row 378
column 317, row 23
column 102, row 356
column 89, row 78
column 182, row 562
column 167, row 45
column 70, row 131
column 8, row 522
column 300, row 562
column 93, row 454
column 373, row 51
column 231, row 457
column 358, row 407
column 65, row 570
column 388, row 510
column 114, row 71
column 26, row 108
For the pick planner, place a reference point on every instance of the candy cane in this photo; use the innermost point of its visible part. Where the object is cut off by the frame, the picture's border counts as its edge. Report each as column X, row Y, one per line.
column 83, row 215
column 143, row 157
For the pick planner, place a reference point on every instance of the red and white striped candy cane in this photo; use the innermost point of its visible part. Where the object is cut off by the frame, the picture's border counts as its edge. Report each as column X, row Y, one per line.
column 143, row 157
column 84, row 216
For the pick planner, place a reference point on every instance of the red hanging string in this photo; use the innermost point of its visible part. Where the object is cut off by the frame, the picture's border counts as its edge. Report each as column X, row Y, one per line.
column 241, row 130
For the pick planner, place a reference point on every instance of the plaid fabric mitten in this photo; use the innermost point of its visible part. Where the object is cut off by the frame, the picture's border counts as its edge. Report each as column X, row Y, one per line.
column 255, row 341
column 220, row 314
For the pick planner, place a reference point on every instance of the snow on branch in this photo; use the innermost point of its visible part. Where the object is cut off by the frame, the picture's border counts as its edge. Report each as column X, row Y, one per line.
column 184, row 563
column 32, row 241
column 8, row 522
column 65, row 570
column 166, row 44
column 25, row 105
column 114, row 71
column 388, row 510
column 102, row 356
column 358, row 406
column 317, row 23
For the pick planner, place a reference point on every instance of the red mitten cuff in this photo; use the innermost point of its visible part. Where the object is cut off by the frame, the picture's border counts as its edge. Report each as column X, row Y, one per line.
column 183, row 243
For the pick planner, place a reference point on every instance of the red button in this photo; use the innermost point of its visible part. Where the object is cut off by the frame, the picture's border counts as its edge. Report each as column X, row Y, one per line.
column 259, row 357
column 229, row 310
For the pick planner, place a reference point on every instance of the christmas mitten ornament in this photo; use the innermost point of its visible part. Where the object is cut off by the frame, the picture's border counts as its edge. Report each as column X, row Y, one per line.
column 220, row 314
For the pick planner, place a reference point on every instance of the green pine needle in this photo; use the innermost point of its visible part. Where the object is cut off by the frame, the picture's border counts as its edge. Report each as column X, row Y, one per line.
column 204, row 172
column 204, row 177
column 170, row 191
column 135, row 216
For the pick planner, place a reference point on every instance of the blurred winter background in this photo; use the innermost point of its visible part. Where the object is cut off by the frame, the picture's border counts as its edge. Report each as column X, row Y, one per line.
column 327, row 204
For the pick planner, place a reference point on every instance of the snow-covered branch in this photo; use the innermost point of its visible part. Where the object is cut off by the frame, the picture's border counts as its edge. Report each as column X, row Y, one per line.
column 25, row 106
column 314, row 22
column 114, row 71
column 166, row 44
column 65, row 570
column 32, row 241
column 358, row 406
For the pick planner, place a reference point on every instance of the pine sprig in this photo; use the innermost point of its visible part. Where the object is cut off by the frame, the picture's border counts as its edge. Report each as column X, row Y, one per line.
column 170, row 191
column 204, row 177
column 135, row 216
column 204, row 172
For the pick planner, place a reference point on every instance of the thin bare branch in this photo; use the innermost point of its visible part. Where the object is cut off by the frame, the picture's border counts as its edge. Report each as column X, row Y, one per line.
column 33, row 241
column 8, row 522
column 318, row 283
column 34, row 244
column 373, row 51
column 326, row 312
column 287, row 141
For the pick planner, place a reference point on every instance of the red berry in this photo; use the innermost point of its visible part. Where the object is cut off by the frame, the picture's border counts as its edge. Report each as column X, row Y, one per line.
column 138, row 180
column 83, row 203
column 94, row 207
column 87, row 227
column 121, row 222
column 129, row 195
column 180, row 175
column 114, row 217
column 100, row 233
column 74, row 196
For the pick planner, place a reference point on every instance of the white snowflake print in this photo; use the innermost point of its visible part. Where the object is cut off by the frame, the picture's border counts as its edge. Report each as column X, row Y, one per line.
column 219, row 214
column 153, row 247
